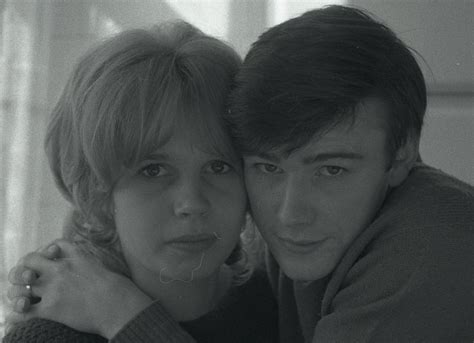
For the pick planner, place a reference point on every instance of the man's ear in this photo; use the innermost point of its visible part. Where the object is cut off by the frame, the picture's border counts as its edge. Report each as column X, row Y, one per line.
column 404, row 160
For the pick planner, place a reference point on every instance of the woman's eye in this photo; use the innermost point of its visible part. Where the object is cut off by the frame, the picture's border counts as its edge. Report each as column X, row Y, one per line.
column 268, row 168
column 331, row 170
column 152, row 170
column 219, row 167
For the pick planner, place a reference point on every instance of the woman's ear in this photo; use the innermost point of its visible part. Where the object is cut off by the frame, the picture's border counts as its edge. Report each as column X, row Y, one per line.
column 404, row 160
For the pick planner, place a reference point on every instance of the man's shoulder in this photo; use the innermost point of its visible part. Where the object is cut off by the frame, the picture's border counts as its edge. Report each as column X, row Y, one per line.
column 422, row 235
column 435, row 180
column 47, row 331
column 433, row 186
column 428, row 199
column 428, row 218
column 407, row 274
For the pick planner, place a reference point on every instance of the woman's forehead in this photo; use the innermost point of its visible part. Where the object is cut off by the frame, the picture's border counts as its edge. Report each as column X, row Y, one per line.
column 204, row 131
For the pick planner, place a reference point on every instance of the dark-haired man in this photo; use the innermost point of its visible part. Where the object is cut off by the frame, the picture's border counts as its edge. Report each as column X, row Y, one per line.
column 366, row 243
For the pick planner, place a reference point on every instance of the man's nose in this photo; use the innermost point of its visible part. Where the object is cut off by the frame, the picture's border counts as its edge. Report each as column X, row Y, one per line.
column 295, row 207
column 191, row 200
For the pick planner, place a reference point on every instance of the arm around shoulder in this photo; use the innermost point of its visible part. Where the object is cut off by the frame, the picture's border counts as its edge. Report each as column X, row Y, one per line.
column 153, row 324
column 46, row 331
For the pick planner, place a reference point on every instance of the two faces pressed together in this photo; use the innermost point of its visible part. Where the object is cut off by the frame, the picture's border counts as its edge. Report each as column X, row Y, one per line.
column 308, row 206
column 322, row 127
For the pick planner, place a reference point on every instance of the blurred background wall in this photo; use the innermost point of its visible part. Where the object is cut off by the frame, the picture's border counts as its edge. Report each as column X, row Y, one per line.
column 40, row 40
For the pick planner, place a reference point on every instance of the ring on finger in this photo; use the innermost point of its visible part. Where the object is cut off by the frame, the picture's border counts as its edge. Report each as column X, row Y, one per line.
column 30, row 290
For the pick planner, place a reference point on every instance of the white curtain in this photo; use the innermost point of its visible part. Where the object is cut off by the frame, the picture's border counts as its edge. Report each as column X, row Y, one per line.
column 23, row 102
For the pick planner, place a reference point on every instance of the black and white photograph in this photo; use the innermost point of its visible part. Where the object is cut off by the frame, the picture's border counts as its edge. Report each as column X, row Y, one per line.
column 237, row 171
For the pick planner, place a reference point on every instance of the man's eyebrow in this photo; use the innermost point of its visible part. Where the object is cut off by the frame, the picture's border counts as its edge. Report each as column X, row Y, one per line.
column 326, row 156
column 319, row 157
column 267, row 156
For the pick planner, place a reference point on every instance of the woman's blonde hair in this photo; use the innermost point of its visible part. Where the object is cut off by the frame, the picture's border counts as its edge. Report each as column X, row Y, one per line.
column 123, row 99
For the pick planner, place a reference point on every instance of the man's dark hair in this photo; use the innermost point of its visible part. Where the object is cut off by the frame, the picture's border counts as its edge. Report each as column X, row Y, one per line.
column 308, row 74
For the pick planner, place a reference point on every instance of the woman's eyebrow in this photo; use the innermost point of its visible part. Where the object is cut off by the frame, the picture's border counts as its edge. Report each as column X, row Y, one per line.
column 158, row 156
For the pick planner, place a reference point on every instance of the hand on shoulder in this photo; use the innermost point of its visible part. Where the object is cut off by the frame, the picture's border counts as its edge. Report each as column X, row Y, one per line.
column 76, row 290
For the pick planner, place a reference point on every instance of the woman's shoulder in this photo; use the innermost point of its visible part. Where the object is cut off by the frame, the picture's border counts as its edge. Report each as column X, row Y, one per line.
column 46, row 331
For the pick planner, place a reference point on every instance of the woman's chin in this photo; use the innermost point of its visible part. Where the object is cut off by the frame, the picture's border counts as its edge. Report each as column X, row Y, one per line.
column 187, row 272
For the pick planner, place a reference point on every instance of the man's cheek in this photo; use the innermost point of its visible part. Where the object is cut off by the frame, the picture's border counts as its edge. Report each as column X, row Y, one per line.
column 261, row 215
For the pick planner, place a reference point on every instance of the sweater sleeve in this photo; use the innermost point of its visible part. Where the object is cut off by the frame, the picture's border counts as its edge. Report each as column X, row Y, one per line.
column 153, row 324
column 46, row 331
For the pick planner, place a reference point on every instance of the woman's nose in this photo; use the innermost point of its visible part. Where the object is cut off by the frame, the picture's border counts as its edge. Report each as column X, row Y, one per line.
column 191, row 201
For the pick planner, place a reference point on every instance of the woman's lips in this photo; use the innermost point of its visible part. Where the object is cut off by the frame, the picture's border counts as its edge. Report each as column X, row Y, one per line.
column 193, row 242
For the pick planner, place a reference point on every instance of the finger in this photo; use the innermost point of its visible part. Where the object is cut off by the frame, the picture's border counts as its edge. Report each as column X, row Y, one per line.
column 21, row 275
column 67, row 248
column 16, row 291
column 50, row 251
column 53, row 251
column 21, row 305
column 37, row 262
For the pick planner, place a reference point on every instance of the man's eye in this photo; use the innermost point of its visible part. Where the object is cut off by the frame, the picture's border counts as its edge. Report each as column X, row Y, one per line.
column 152, row 170
column 331, row 170
column 268, row 168
column 219, row 167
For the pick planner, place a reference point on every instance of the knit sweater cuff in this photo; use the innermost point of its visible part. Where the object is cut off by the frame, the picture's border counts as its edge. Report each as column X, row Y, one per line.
column 153, row 324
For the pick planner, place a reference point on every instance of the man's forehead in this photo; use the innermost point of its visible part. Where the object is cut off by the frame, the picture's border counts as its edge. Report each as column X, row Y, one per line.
column 320, row 147
column 352, row 137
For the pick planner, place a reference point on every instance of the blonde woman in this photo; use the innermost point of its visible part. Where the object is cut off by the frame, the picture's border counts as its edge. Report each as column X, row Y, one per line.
column 137, row 145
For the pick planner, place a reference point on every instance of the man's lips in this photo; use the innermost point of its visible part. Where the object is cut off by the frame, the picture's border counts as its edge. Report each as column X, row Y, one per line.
column 300, row 246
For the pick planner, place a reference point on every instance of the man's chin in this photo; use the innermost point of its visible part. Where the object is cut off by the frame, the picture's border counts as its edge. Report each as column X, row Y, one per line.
column 304, row 271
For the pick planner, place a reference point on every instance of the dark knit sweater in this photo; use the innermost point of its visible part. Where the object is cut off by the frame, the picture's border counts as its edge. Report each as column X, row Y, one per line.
column 408, row 277
column 248, row 313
